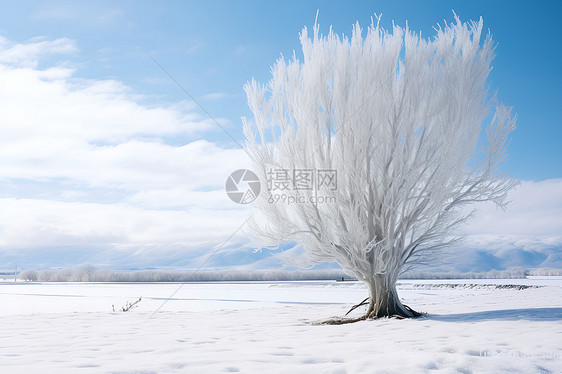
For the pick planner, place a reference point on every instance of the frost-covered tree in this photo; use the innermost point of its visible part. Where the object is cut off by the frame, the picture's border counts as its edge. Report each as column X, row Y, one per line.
column 28, row 275
column 399, row 118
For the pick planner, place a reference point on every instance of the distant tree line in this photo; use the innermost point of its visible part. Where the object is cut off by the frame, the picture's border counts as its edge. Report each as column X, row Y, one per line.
column 511, row 273
column 89, row 273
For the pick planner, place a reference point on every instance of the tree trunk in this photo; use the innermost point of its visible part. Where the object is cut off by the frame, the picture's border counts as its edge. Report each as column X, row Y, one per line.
column 384, row 300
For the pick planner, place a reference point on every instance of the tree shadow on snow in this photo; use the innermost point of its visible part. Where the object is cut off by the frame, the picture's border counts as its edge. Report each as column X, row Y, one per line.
column 529, row 314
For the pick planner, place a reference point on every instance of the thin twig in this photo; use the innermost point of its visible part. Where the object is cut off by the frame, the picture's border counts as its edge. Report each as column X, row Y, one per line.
column 364, row 302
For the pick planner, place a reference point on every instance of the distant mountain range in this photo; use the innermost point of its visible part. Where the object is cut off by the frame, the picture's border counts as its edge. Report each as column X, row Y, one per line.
column 241, row 257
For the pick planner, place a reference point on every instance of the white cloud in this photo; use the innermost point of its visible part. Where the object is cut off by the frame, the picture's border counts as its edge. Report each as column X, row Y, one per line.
column 132, row 165
column 528, row 233
column 27, row 55
column 535, row 210
column 97, row 132
column 216, row 96
column 82, row 110
column 33, row 223
column 82, row 140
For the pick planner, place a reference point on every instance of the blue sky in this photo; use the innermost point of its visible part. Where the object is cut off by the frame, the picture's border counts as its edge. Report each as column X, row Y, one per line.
column 104, row 155
column 214, row 47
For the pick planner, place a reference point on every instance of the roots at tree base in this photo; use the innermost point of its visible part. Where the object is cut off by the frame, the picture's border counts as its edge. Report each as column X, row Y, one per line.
column 383, row 303
column 371, row 314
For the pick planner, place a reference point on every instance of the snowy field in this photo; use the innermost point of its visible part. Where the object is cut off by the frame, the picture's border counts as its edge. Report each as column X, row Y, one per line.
column 472, row 326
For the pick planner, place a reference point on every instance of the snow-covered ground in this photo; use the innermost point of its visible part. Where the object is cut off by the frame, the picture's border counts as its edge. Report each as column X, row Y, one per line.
column 472, row 326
